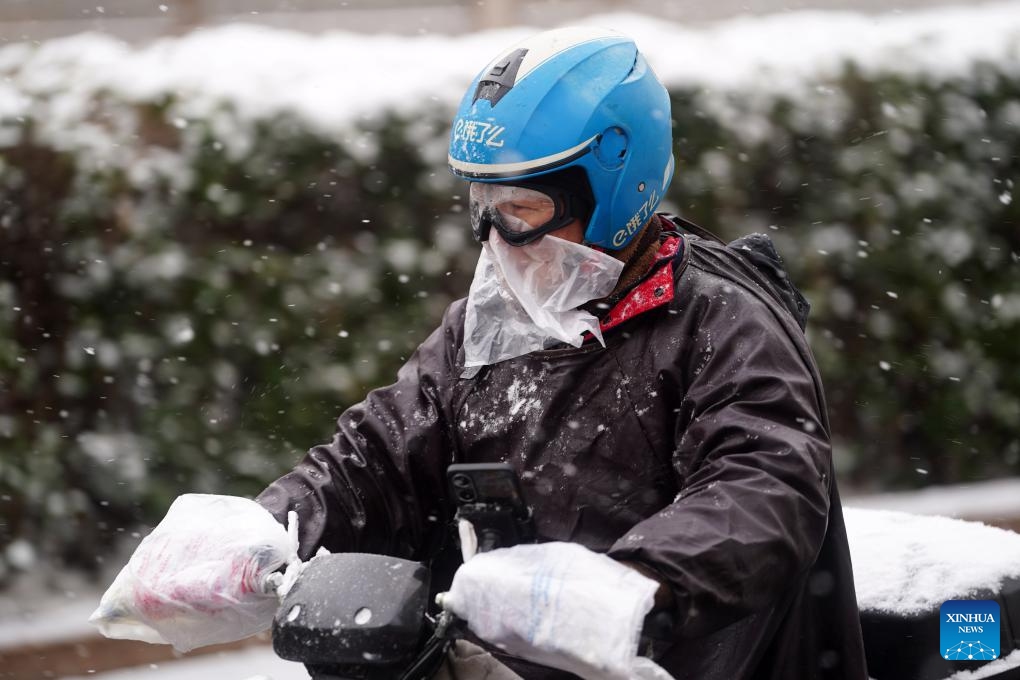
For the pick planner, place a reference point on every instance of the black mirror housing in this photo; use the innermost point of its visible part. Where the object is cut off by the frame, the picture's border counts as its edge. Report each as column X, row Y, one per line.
column 353, row 609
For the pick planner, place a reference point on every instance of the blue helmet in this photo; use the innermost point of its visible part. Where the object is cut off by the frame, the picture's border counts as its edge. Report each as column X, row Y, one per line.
column 572, row 97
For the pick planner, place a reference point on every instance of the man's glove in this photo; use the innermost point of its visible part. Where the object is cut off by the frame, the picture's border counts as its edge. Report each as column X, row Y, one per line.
column 559, row 605
column 204, row 575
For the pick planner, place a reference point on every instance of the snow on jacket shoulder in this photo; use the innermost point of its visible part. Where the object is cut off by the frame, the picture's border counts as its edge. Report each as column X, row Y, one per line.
column 695, row 443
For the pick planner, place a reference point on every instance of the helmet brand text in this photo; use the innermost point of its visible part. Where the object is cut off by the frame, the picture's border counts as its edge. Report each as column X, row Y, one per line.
column 477, row 132
column 637, row 220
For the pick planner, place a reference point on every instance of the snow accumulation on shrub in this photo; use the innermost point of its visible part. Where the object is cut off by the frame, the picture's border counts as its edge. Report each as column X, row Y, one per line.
column 212, row 244
column 334, row 79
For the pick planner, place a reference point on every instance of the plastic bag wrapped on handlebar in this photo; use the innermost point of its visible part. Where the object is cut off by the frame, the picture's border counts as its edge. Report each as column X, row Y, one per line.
column 205, row 575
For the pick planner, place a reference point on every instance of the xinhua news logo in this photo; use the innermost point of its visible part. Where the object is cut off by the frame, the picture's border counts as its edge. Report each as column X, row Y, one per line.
column 969, row 630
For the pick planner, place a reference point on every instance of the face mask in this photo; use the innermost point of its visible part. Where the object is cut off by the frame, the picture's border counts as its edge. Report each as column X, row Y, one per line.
column 524, row 299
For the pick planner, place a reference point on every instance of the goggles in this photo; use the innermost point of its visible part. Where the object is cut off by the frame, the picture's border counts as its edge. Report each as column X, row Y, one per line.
column 520, row 213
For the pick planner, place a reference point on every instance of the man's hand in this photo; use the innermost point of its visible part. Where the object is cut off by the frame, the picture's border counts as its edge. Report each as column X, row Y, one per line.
column 664, row 599
column 201, row 577
column 556, row 604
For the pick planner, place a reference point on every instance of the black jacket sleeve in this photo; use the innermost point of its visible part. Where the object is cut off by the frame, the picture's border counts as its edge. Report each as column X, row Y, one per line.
column 752, row 458
column 365, row 490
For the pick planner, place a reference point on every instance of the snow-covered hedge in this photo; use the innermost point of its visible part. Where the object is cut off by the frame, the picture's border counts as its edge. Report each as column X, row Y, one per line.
column 211, row 245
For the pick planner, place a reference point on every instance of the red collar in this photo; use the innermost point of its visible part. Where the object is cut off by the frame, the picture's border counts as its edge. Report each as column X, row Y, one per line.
column 653, row 292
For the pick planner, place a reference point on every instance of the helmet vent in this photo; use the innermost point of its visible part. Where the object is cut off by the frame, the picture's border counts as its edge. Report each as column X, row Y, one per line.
column 500, row 79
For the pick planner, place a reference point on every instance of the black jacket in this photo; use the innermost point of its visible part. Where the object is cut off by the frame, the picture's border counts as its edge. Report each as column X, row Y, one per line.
column 695, row 443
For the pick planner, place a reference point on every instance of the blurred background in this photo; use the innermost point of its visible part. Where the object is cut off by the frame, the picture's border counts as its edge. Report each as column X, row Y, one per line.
column 138, row 22
column 223, row 221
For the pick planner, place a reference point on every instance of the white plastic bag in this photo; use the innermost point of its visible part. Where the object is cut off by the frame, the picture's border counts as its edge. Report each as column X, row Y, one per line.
column 202, row 576
column 525, row 298
column 559, row 605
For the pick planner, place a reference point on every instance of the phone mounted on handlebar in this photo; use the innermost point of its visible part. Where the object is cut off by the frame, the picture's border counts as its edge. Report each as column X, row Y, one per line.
column 489, row 496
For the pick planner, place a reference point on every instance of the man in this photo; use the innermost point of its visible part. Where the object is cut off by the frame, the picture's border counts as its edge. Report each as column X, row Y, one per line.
column 655, row 395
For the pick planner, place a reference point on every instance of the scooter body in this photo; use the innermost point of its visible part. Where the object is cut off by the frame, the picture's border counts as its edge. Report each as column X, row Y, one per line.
column 356, row 616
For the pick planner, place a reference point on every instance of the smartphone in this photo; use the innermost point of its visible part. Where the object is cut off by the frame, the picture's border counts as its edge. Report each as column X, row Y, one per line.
column 489, row 496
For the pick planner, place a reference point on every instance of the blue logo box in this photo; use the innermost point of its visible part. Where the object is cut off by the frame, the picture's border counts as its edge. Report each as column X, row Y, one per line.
column 969, row 630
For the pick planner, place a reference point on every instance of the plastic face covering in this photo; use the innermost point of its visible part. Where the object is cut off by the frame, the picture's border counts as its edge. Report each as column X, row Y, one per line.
column 524, row 299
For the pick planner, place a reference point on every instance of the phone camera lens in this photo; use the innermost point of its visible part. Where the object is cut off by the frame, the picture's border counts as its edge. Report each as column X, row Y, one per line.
column 462, row 481
column 466, row 495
